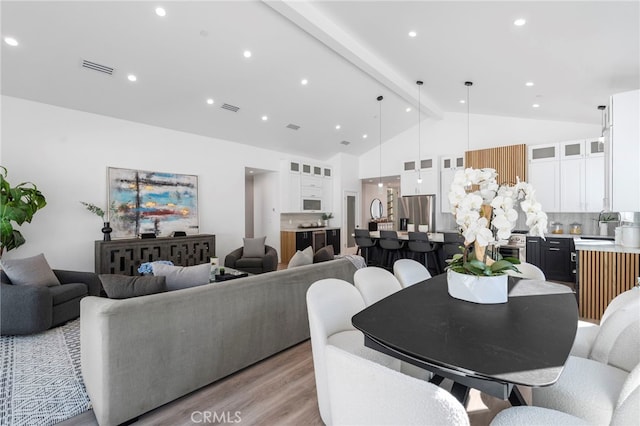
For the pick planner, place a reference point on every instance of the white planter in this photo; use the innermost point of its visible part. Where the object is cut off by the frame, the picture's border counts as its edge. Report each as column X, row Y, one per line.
column 477, row 289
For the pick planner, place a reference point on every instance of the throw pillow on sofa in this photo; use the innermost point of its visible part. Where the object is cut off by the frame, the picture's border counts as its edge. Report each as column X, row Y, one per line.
column 300, row 259
column 179, row 277
column 30, row 271
column 324, row 254
column 253, row 247
column 125, row 286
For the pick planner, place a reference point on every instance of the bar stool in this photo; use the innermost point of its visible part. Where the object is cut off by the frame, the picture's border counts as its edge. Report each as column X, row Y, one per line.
column 419, row 243
column 365, row 244
column 391, row 248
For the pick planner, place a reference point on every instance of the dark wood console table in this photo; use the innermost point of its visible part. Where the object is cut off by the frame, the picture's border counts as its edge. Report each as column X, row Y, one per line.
column 125, row 256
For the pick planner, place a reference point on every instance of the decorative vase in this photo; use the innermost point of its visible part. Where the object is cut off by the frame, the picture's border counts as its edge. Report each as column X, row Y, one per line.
column 106, row 231
column 476, row 289
column 326, row 223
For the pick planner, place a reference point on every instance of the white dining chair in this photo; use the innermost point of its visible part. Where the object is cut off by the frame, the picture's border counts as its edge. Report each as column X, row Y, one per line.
column 626, row 410
column 528, row 271
column 410, row 272
column 374, row 284
column 589, row 387
column 588, row 332
column 365, row 393
column 330, row 304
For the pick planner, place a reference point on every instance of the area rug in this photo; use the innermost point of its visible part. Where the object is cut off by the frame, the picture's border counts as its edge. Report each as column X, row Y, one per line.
column 40, row 379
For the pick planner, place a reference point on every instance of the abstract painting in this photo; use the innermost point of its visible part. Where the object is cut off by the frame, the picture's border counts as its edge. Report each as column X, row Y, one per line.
column 143, row 202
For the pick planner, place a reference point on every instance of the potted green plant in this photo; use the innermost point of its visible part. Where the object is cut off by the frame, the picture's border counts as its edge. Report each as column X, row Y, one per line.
column 486, row 215
column 18, row 205
column 326, row 217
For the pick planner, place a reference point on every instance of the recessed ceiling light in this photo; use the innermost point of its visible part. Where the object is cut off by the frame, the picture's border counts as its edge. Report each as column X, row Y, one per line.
column 338, row 127
column 11, row 41
column 536, row 105
column 519, row 22
column 265, row 118
column 250, row 172
column 529, row 83
column 462, row 101
column 304, row 82
column 412, row 33
column 132, row 77
column 247, row 53
column 210, row 101
column 160, row 11
column 408, row 109
column 364, row 136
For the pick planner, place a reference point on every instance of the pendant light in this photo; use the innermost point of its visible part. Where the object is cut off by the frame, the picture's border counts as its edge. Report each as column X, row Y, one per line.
column 468, row 84
column 419, row 83
column 379, row 98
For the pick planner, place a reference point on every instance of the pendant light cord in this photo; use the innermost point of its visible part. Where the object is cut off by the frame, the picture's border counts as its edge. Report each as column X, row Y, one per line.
column 468, row 84
column 379, row 98
column 419, row 164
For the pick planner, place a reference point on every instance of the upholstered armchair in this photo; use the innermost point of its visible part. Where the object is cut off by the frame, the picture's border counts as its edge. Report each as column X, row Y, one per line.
column 253, row 265
column 27, row 309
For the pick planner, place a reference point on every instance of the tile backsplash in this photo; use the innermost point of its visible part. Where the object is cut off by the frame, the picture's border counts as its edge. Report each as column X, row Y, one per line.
column 292, row 220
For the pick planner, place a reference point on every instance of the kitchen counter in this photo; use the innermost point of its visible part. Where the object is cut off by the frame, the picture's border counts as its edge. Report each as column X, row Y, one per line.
column 320, row 228
column 434, row 237
column 603, row 245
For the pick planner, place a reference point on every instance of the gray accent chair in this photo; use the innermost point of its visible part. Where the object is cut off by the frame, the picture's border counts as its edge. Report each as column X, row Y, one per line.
column 253, row 265
column 26, row 309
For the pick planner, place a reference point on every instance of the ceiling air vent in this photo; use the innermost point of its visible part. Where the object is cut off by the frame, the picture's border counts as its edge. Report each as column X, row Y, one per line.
column 230, row 107
column 293, row 126
column 345, row 143
column 97, row 67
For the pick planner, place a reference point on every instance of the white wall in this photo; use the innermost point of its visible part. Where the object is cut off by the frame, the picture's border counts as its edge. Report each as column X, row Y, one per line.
column 266, row 213
column 67, row 152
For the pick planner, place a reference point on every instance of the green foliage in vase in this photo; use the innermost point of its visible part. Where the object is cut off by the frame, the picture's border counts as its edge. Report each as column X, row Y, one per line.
column 467, row 263
column 17, row 205
column 327, row 216
column 93, row 209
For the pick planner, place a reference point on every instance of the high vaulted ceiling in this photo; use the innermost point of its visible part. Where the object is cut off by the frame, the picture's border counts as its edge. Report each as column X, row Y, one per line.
column 576, row 53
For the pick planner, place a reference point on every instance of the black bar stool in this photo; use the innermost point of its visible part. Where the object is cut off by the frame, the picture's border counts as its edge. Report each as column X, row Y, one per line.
column 391, row 248
column 419, row 243
column 366, row 244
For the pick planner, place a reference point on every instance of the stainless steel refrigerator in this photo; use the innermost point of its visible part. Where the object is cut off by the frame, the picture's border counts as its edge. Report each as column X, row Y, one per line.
column 419, row 210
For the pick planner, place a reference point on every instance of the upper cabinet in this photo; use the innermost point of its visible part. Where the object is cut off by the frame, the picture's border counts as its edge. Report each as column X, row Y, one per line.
column 449, row 165
column 410, row 184
column 544, row 175
column 568, row 176
column 622, row 151
column 305, row 187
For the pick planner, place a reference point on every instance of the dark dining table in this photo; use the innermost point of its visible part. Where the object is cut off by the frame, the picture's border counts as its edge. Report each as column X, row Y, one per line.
column 491, row 347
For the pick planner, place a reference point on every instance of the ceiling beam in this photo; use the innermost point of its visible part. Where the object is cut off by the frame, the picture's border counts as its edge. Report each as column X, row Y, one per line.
column 311, row 20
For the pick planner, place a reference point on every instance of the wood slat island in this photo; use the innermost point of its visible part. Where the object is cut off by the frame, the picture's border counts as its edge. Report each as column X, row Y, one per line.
column 604, row 271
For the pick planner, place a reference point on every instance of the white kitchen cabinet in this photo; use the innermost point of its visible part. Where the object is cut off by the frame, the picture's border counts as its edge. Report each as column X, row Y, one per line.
column 622, row 150
column 290, row 186
column 544, row 175
column 449, row 165
column 305, row 187
column 409, row 184
column 594, row 183
column 572, row 185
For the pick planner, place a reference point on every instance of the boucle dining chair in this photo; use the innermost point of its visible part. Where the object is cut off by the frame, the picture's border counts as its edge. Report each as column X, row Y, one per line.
column 365, row 393
column 626, row 411
column 375, row 284
column 528, row 271
column 410, row 272
column 588, row 332
column 589, row 388
column 331, row 303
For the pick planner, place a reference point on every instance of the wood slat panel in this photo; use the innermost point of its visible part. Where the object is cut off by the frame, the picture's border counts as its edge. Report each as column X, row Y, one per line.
column 602, row 276
column 509, row 161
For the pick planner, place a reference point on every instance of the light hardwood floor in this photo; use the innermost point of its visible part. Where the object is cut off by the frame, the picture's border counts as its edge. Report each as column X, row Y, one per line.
column 277, row 391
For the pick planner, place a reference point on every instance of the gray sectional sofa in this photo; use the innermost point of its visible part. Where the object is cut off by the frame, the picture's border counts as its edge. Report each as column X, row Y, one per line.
column 140, row 353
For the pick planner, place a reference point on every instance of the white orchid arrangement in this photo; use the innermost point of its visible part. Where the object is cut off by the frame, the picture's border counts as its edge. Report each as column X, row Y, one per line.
column 491, row 205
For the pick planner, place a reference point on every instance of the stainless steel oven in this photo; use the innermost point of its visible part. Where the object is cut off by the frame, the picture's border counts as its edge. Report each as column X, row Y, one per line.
column 516, row 247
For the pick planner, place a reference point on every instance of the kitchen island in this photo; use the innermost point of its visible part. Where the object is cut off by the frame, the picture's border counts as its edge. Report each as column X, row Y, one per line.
column 605, row 270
